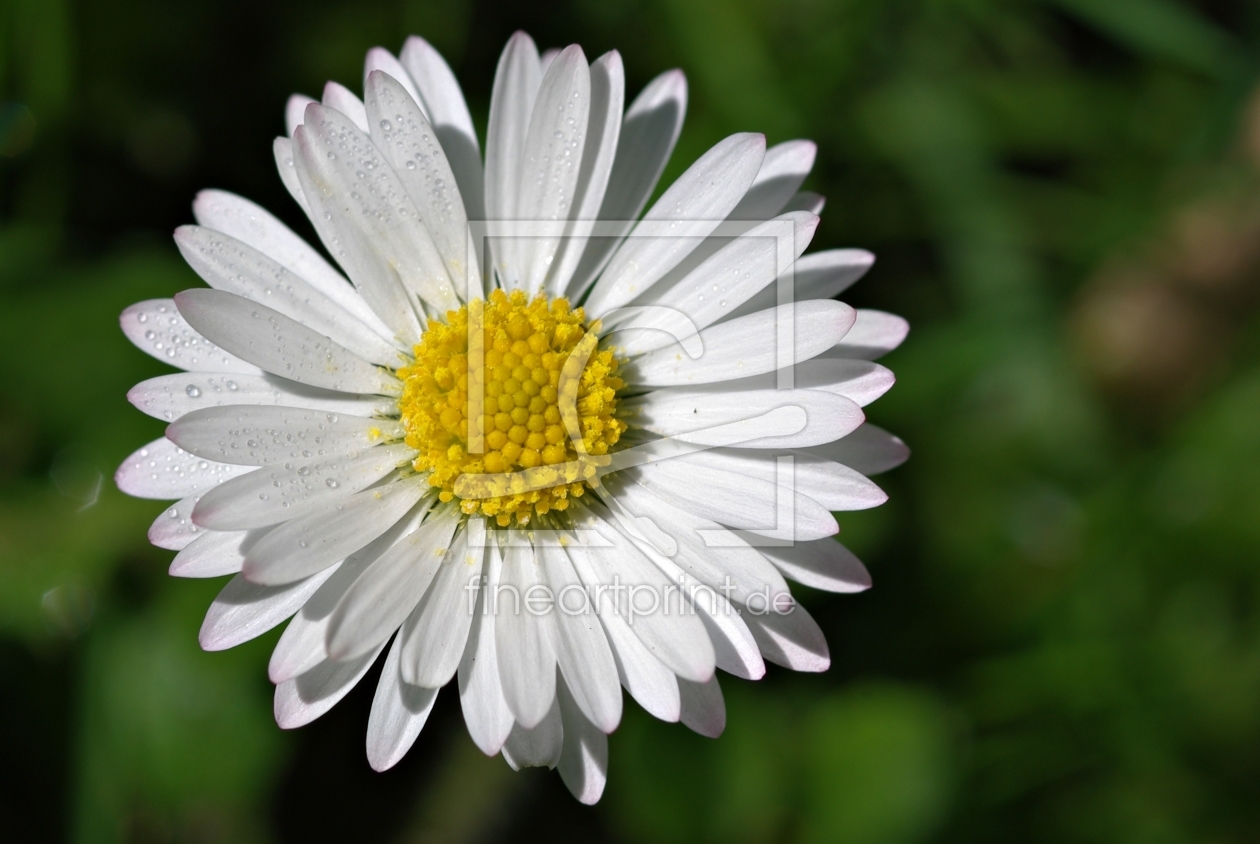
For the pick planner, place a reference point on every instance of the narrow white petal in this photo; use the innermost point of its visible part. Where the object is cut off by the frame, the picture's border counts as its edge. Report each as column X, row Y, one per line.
column 169, row 397
column 399, row 711
column 301, row 700
column 226, row 263
column 703, row 708
column 295, row 112
column 749, row 418
column 737, row 572
column 538, row 746
column 524, row 638
column 747, row 346
column 675, row 637
column 516, row 81
column 280, row 345
column 858, row 380
column 340, row 97
column 582, row 650
column 378, row 58
column 736, row 500
column 784, row 168
column 436, row 633
column 806, row 200
column 282, row 149
column 480, row 693
column 648, row 133
column 261, row 436
column 303, row 546
column 448, row 112
column 389, row 589
column 790, row 639
column 713, row 289
column 603, row 128
column 650, row 683
column 833, row 485
column 551, row 159
column 244, row 610
column 301, row 646
column 157, row 328
column 410, row 145
column 584, row 758
column 869, row 449
column 213, row 554
column 822, row 275
column 825, row 564
column 254, row 225
column 874, row 334
column 276, row 494
column 162, row 469
column 694, row 206
column 174, row 528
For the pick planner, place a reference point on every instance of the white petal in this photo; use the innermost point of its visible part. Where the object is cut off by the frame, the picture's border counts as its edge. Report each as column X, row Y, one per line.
column 389, row 589
column 858, row 380
column 806, row 200
column 650, row 683
column 538, row 746
column 378, row 58
column 399, row 711
column 169, row 397
column 340, row 97
column 677, row 638
column 648, row 134
column 281, row 345
column 365, row 254
column 157, row 328
column 749, row 418
column 712, row 290
column 785, row 166
column 516, row 81
column 275, row 494
column 747, row 346
column 737, row 571
column 736, row 500
column 174, row 528
column 301, row 700
column 790, row 639
column 869, row 449
column 480, row 693
column 551, row 159
column 603, row 129
column 584, row 758
column 875, row 333
column 825, row 564
column 226, row 263
column 303, row 546
column 254, row 225
column 213, row 554
column 244, row 610
column 703, row 708
column 831, row 484
column 436, row 633
column 295, row 112
column 282, row 149
column 301, row 646
column 524, row 639
column 582, row 651
column 260, row 436
column 447, row 111
column 822, row 275
column 693, row 206
column 162, row 469
column 410, row 145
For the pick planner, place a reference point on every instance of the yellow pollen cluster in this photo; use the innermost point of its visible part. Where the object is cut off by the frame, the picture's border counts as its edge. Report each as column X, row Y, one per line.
column 523, row 404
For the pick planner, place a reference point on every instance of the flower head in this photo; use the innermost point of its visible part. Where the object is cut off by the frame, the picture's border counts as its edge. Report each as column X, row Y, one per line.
column 518, row 431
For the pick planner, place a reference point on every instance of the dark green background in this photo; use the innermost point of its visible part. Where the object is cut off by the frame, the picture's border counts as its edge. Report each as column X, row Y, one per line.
column 1063, row 643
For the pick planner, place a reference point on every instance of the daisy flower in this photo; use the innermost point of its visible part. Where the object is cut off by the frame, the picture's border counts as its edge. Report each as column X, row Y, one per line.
column 518, row 431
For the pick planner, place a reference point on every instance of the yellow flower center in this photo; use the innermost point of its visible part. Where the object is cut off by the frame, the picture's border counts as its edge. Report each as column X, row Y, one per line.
column 511, row 405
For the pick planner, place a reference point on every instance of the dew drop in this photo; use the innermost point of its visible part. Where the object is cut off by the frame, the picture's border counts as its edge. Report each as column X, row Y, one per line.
column 193, row 391
column 332, row 483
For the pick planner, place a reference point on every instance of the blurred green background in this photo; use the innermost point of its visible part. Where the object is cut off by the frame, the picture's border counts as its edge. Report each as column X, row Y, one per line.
column 1063, row 643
